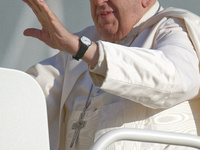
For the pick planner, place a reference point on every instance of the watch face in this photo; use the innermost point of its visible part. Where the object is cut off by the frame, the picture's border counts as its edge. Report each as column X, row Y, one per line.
column 86, row 41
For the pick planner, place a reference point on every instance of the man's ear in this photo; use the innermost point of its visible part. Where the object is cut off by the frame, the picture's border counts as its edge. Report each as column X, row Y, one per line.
column 146, row 3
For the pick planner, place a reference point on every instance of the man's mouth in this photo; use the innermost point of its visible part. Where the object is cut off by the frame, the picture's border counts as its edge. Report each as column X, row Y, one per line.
column 105, row 14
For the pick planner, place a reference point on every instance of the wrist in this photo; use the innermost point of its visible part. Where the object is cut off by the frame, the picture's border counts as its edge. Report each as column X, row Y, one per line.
column 92, row 55
column 85, row 43
column 70, row 44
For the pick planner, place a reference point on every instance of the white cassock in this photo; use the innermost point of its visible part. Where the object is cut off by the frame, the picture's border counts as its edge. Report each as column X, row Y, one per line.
column 143, row 81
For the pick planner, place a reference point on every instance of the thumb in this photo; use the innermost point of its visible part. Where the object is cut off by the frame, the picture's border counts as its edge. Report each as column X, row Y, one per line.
column 32, row 32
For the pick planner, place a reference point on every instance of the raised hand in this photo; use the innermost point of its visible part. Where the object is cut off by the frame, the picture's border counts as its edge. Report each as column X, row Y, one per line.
column 53, row 33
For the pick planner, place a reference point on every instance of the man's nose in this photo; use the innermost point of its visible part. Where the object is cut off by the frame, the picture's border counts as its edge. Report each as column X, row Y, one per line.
column 100, row 2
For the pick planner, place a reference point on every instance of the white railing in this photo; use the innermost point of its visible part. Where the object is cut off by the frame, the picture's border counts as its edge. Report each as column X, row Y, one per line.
column 141, row 135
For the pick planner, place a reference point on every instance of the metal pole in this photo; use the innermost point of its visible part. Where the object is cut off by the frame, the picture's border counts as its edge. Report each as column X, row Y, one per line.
column 141, row 135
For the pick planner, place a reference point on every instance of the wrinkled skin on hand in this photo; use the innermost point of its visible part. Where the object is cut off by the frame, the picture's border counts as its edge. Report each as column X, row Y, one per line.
column 53, row 33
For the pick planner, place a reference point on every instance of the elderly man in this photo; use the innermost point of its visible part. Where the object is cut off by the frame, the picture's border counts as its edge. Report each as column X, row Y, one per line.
column 138, row 67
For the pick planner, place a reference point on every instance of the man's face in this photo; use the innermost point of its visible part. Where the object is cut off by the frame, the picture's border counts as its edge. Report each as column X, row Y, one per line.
column 115, row 18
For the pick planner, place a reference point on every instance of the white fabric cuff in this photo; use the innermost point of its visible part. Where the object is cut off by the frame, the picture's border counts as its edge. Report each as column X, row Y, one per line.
column 98, row 73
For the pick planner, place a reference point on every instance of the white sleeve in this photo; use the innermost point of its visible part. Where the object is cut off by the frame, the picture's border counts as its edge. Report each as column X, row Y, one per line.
column 160, row 77
column 49, row 74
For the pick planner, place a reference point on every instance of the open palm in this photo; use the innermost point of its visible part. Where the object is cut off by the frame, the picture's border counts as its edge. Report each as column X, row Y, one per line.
column 53, row 33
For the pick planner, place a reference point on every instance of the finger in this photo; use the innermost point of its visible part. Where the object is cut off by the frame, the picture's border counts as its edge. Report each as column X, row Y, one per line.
column 36, row 10
column 46, row 10
column 42, row 35
column 33, row 6
column 39, row 8
column 43, row 12
column 32, row 32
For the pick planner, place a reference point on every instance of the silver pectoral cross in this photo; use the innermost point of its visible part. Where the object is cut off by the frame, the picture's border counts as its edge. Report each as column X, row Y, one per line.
column 77, row 127
column 81, row 123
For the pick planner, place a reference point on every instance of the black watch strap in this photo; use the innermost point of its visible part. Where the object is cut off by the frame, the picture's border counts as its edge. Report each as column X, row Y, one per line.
column 83, row 48
column 81, row 52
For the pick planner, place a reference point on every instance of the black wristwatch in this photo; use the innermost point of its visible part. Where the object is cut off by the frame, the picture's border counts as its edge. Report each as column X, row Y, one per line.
column 85, row 43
